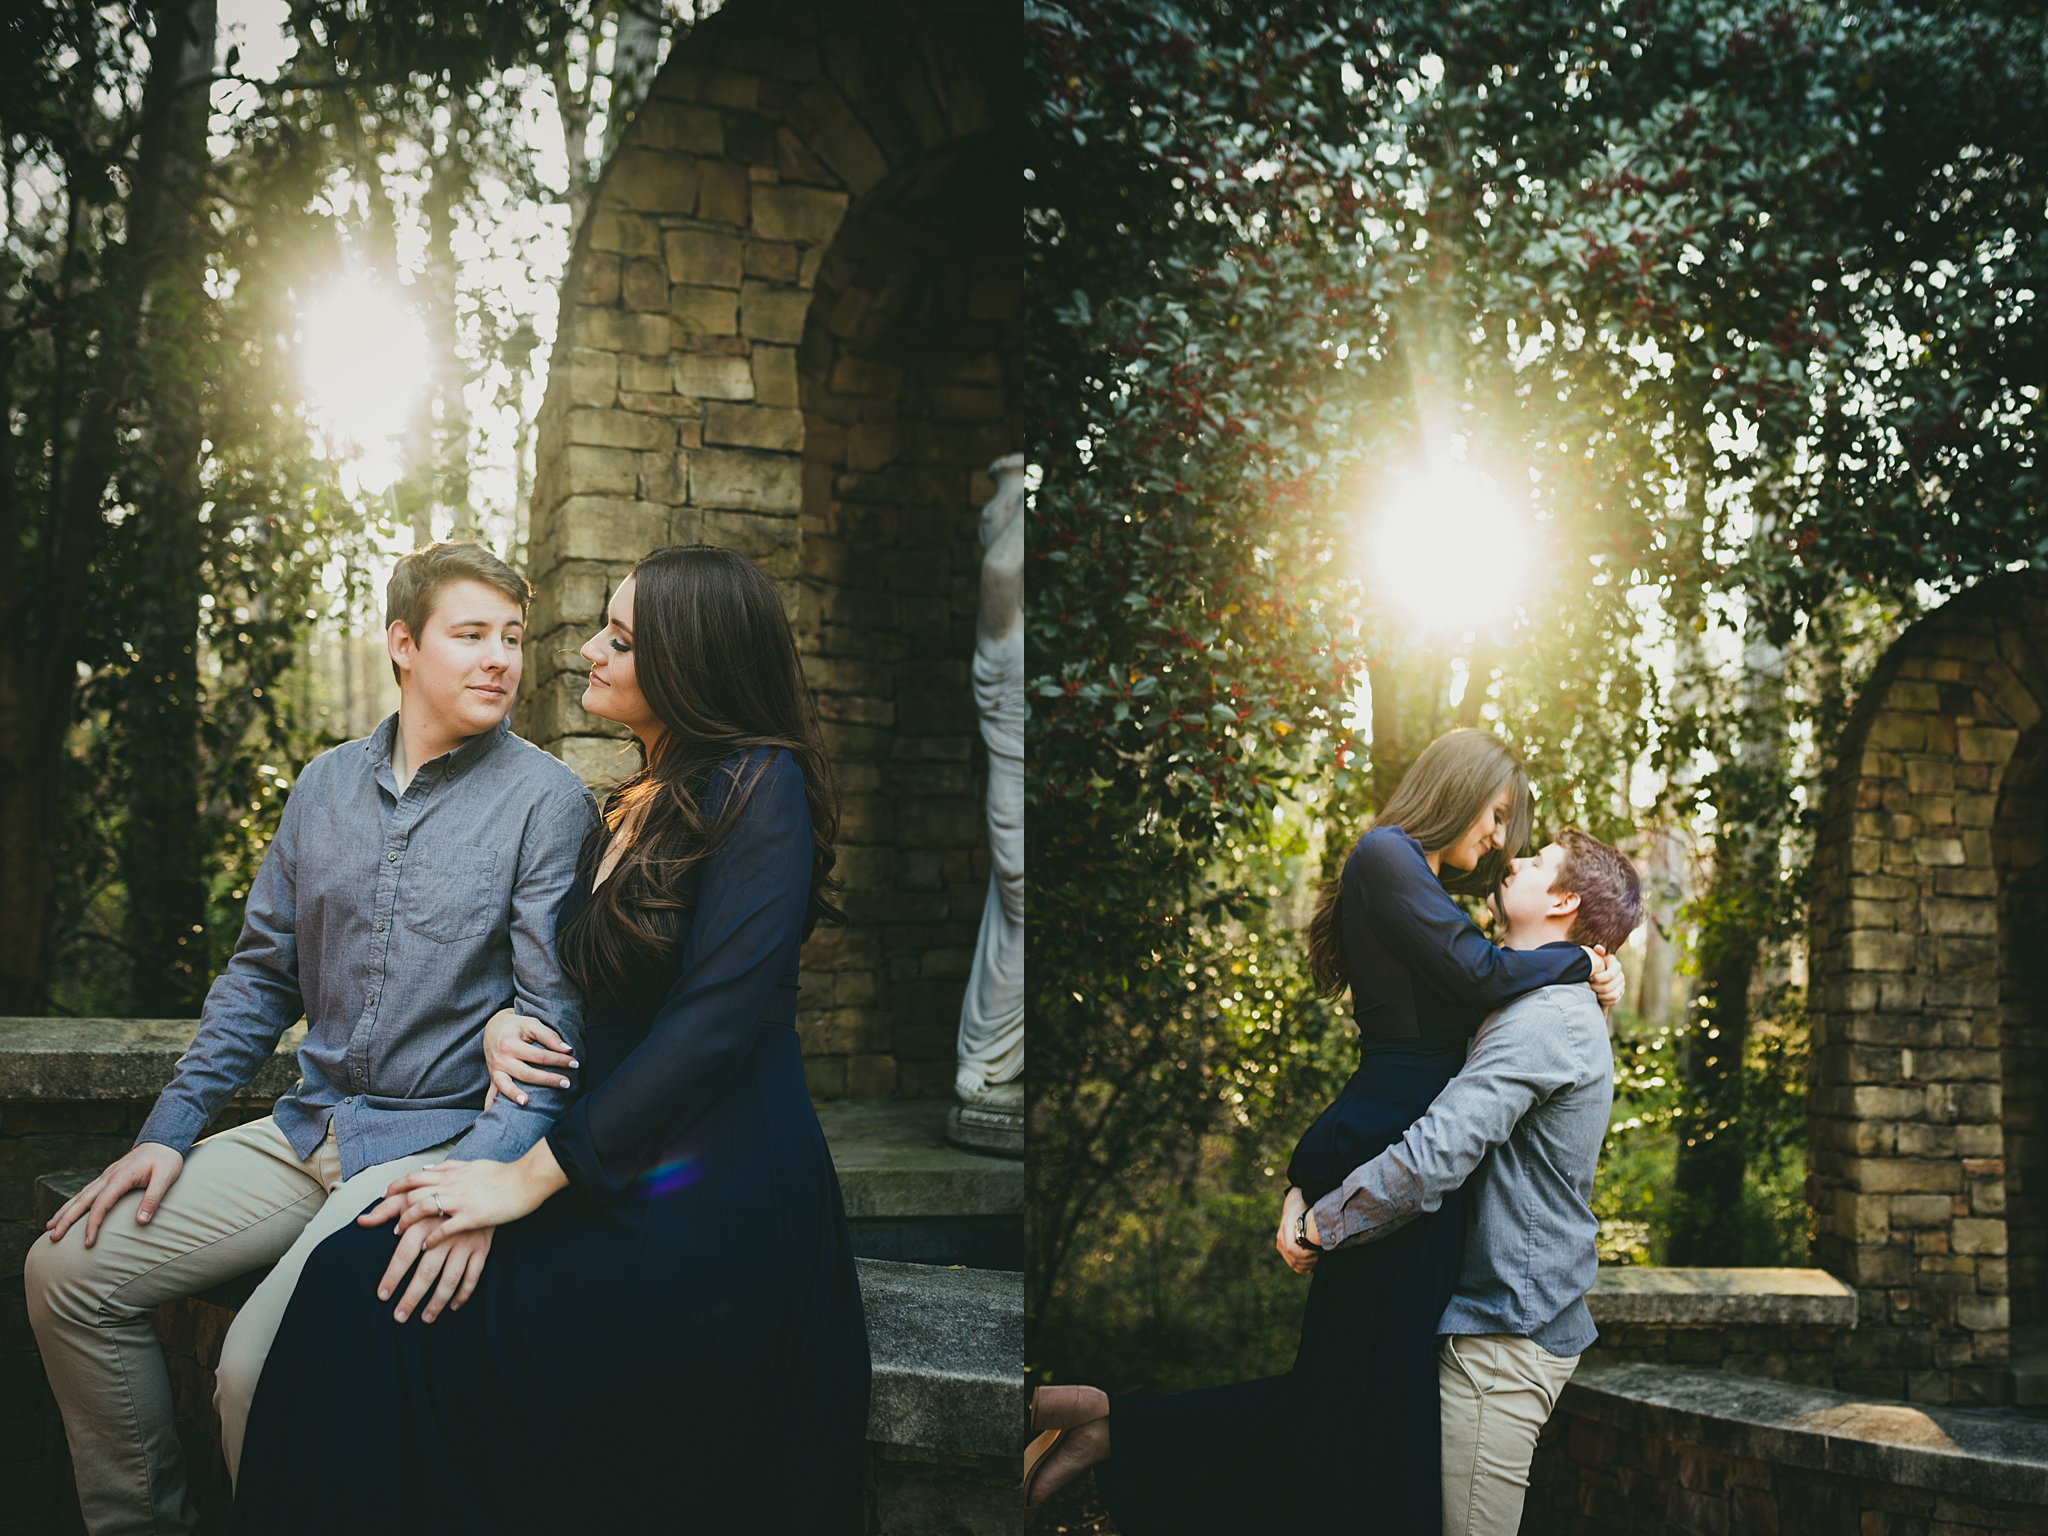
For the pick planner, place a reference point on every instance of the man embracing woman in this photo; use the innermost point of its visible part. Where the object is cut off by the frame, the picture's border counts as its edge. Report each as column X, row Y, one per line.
column 1441, row 1202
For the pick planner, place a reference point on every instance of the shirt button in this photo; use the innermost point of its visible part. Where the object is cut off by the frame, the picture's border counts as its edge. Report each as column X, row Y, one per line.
column 380, row 927
column 390, row 858
column 348, row 1101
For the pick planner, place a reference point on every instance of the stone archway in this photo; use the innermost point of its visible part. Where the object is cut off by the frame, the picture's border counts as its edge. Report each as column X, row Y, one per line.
column 1924, row 1108
column 791, row 329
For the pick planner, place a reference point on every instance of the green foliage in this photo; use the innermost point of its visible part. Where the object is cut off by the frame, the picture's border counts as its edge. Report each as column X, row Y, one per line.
column 1656, row 258
column 1634, row 1194
column 168, row 530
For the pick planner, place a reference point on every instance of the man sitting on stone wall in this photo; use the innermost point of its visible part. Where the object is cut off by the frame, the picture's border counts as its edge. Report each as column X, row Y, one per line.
column 1524, row 1120
column 410, row 892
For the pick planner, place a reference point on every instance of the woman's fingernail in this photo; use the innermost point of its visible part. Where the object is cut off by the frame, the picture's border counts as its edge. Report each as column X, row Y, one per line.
column 564, row 1082
column 522, row 1098
column 574, row 1062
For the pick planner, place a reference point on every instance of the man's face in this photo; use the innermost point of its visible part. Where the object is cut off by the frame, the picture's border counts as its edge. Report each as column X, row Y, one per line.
column 1526, row 898
column 462, row 670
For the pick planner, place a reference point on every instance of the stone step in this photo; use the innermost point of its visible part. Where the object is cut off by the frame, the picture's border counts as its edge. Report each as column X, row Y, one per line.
column 914, row 1197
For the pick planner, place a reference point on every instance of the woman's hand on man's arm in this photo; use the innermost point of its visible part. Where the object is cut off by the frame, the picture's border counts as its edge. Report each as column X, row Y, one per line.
column 518, row 1050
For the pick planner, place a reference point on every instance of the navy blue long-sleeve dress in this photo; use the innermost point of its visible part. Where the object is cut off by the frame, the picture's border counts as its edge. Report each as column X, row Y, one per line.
column 1349, row 1434
column 674, row 1343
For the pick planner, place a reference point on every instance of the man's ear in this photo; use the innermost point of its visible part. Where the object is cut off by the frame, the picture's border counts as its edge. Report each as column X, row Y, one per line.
column 1564, row 903
column 398, row 642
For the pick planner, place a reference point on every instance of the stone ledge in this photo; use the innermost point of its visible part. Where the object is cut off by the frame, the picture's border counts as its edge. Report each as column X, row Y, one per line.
column 892, row 1154
column 948, row 1351
column 97, row 1060
column 1971, row 1453
column 1720, row 1298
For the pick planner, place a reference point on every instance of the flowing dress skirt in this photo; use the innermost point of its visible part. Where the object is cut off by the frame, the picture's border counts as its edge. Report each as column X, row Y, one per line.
column 691, row 1357
column 1350, row 1434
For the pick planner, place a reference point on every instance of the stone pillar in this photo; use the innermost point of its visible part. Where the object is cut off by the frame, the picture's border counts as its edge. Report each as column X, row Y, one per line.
column 1911, row 1024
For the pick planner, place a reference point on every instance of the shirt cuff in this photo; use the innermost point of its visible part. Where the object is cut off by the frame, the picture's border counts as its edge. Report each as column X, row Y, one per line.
column 170, row 1125
column 504, row 1136
column 1329, row 1218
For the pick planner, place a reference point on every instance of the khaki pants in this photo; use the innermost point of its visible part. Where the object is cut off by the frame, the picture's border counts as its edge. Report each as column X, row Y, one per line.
column 1496, row 1392
column 245, row 1199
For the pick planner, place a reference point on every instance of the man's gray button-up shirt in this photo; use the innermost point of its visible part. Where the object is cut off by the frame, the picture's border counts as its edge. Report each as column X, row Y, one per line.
column 397, row 923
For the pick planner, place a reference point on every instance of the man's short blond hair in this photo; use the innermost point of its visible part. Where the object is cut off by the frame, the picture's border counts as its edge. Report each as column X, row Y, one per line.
column 417, row 583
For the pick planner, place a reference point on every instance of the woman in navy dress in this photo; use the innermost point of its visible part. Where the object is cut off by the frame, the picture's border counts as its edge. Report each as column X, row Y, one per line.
column 668, row 1335
column 1349, row 1435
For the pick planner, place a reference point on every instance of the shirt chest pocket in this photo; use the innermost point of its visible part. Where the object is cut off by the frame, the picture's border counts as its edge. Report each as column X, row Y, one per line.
column 454, row 894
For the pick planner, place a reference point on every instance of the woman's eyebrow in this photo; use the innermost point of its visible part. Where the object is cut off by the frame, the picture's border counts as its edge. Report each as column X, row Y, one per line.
column 621, row 628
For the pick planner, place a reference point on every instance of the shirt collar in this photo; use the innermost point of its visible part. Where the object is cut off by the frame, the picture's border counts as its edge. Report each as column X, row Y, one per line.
column 378, row 745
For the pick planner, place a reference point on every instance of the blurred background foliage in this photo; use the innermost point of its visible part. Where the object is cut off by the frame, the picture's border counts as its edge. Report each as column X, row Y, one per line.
column 194, row 517
column 1730, row 307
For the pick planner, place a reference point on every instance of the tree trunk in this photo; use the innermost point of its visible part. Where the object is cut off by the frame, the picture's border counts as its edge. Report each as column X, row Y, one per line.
column 43, row 623
column 163, row 845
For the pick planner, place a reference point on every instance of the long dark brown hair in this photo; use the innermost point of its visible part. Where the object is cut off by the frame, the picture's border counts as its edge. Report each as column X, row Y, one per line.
column 1442, row 794
column 713, row 654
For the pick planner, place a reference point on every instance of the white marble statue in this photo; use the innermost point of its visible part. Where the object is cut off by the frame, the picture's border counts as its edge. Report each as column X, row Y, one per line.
column 990, row 1078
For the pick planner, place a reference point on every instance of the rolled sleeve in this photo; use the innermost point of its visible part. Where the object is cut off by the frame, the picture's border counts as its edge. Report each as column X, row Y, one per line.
column 250, row 1005
column 547, row 875
column 1519, row 1058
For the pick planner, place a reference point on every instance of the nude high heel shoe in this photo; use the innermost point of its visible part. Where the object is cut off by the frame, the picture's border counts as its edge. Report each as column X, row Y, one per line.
column 1054, row 1411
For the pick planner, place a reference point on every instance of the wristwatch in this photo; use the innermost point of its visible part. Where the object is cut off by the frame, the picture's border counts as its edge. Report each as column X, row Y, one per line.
column 1301, row 1237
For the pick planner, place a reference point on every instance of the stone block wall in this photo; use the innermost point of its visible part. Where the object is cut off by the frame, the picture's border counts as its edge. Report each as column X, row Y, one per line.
column 73, row 1094
column 790, row 329
column 1917, row 1026
column 1772, row 1352
column 1635, row 1449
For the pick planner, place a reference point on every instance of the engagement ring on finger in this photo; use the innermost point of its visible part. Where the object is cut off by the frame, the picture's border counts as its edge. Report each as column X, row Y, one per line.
column 437, row 1201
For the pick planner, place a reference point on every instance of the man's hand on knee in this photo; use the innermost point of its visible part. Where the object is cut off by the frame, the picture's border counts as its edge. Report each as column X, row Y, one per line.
column 148, row 1166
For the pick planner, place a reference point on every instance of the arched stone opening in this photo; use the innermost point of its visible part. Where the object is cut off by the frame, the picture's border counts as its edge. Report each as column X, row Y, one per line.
column 906, row 380
column 787, row 323
column 1925, row 1003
